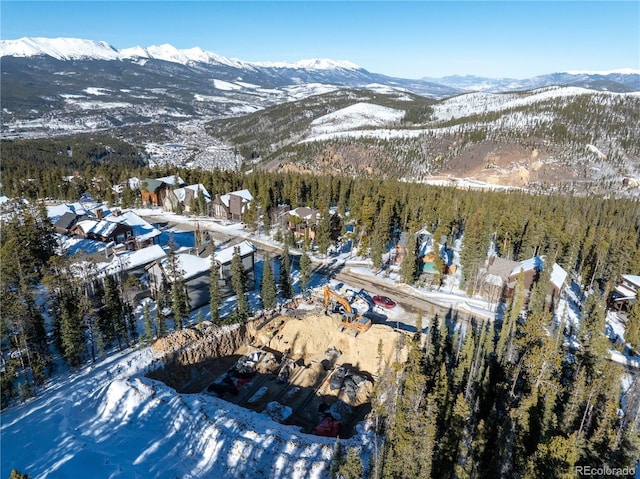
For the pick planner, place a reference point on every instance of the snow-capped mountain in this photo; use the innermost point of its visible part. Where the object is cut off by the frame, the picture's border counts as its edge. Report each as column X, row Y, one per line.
column 58, row 48
column 79, row 49
column 621, row 80
column 65, row 84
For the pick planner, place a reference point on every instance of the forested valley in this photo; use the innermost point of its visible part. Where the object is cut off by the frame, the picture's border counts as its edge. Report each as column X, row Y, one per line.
column 510, row 398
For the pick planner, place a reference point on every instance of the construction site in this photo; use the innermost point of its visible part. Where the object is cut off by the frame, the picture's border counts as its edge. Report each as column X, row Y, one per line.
column 313, row 365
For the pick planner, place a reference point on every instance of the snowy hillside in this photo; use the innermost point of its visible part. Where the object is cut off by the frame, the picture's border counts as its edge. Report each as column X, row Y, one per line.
column 109, row 421
column 476, row 103
column 355, row 116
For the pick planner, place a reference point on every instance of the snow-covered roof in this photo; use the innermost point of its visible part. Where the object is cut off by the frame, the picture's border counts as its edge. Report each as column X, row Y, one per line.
column 225, row 255
column 181, row 193
column 189, row 264
column 633, row 279
column 134, row 183
column 172, row 180
column 131, row 260
column 244, row 194
column 527, row 265
column 624, row 292
column 55, row 212
column 92, row 226
column 558, row 274
column 142, row 229
column 305, row 213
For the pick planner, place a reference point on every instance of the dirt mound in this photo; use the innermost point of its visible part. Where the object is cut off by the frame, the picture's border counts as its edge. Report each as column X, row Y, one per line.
column 312, row 336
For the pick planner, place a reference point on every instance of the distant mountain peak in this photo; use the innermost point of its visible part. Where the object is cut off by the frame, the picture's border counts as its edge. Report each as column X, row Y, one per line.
column 312, row 64
column 76, row 48
column 619, row 71
column 59, row 48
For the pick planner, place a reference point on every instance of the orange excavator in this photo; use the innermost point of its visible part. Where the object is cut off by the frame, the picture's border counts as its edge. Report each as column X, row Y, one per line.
column 333, row 302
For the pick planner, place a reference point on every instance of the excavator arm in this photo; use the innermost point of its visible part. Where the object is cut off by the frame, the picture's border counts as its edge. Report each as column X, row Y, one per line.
column 329, row 294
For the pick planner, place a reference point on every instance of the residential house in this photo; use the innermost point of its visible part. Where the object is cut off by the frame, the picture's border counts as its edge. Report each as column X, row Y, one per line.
column 496, row 276
column 144, row 234
column 186, row 197
column 424, row 242
column 530, row 269
column 133, row 264
column 302, row 221
column 153, row 192
column 625, row 293
column 65, row 223
column 103, row 230
column 247, row 254
column 126, row 228
column 231, row 206
column 196, row 272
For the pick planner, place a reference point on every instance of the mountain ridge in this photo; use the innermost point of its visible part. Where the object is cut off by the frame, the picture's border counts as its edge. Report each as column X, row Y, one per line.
column 78, row 48
column 63, row 48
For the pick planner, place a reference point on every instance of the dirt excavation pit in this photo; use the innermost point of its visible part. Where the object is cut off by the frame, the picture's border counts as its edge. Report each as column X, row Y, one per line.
column 304, row 372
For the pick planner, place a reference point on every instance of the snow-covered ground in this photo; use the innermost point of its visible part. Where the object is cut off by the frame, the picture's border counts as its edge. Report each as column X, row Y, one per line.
column 108, row 421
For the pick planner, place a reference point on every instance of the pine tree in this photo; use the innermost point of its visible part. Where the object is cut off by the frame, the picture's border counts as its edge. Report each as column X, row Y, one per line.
column 351, row 468
column 305, row 271
column 268, row 286
column 161, row 322
column 179, row 302
column 113, row 323
column 286, row 289
column 509, row 323
column 409, row 266
column 179, row 297
column 632, row 328
column 215, row 296
column 323, row 232
column 239, row 282
column 147, row 335
column 72, row 334
column 591, row 334
column 540, row 290
column 338, row 459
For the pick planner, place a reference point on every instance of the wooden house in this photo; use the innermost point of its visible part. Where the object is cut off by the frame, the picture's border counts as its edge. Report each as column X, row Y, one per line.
column 186, row 196
column 66, row 222
column 530, row 269
column 231, row 206
column 302, row 221
column 625, row 293
column 153, row 192
column 103, row 230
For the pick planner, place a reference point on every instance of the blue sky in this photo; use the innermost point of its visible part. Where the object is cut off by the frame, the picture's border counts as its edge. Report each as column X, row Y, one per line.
column 413, row 39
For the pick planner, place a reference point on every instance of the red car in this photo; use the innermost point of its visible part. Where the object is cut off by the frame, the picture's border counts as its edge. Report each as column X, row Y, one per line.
column 384, row 301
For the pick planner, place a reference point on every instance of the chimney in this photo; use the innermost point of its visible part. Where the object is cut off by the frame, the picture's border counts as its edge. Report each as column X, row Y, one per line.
column 100, row 213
